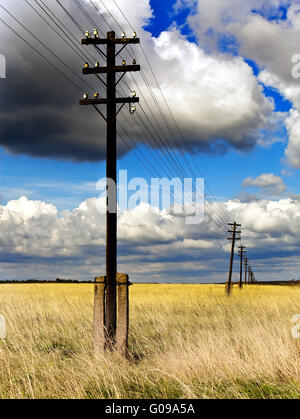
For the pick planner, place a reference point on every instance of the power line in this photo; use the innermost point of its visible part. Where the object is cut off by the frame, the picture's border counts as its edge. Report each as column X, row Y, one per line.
column 226, row 218
column 174, row 161
column 41, row 55
column 42, row 43
column 164, row 98
column 55, row 55
column 155, row 100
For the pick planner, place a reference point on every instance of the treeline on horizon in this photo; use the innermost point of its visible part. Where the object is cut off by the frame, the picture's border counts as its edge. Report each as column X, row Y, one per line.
column 37, row 281
column 293, row 282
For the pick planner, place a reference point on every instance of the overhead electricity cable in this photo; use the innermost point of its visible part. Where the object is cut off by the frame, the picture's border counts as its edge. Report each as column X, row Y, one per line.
column 41, row 55
column 42, row 43
column 49, row 51
column 152, row 95
column 163, row 96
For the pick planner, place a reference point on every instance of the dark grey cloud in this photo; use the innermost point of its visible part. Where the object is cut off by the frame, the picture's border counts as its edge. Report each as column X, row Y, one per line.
column 39, row 111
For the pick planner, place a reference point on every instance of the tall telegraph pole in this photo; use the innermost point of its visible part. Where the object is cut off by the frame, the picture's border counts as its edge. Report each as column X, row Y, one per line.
column 242, row 252
column 233, row 240
column 246, row 264
column 111, row 102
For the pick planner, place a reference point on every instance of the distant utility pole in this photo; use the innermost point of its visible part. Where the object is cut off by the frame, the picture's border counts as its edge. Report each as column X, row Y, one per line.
column 249, row 274
column 242, row 253
column 111, row 101
column 233, row 240
column 246, row 263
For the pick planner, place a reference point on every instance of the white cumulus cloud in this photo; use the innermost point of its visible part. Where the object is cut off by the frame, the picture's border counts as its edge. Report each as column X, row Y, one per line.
column 271, row 43
column 38, row 242
column 267, row 183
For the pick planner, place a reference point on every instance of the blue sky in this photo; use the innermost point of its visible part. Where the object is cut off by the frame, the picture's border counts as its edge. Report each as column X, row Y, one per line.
column 66, row 184
column 55, row 181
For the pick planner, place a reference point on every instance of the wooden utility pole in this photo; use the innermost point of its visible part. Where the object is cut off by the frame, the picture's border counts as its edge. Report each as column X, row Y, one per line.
column 233, row 240
column 242, row 253
column 111, row 101
column 249, row 275
column 246, row 263
column 252, row 276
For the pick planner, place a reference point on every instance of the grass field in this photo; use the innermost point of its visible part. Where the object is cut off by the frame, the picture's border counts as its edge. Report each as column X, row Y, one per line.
column 186, row 341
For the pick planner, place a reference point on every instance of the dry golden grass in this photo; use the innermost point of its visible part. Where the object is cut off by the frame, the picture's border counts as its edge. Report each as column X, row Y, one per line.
column 186, row 341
